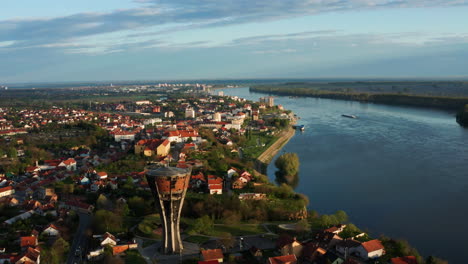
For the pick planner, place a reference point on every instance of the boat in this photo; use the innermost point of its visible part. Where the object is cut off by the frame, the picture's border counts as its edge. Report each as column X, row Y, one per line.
column 349, row 116
column 301, row 127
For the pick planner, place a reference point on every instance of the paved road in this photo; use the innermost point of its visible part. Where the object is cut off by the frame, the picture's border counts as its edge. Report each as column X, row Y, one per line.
column 80, row 240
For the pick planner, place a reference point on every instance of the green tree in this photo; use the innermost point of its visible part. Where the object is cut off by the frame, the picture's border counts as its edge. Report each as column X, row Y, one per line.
column 288, row 169
column 341, row 216
column 107, row 221
column 12, row 153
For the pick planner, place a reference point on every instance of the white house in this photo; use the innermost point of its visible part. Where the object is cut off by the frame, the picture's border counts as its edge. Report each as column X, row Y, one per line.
column 108, row 239
column 119, row 136
column 6, row 191
column 69, row 164
column 51, row 230
column 370, row 249
column 231, row 172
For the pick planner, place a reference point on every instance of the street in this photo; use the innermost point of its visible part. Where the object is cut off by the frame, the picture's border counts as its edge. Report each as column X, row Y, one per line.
column 80, row 240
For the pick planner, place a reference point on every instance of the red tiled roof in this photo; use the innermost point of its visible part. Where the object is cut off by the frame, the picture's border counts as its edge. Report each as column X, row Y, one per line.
column 212, row 254
column 404, row 260
column 28, row 241
column 373, row 245
column 283, row 259
column 5, row 189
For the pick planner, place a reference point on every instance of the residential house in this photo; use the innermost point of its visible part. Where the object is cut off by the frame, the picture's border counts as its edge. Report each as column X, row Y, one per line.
column 327, row 240
column 69, row 164
column 288, row 259
column 6, row 191
column 28, row 241
column 311, row 252
column 213, row 254
column 153, row 147
column 370, row 249
column 102, row 175
column 347, row 247
column 31, row 256
column 289, row 245
column 215, row 184
column 108, row 239
column 51, row 230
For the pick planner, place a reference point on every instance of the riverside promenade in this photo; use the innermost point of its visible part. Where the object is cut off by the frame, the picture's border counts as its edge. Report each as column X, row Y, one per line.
column 265, row 158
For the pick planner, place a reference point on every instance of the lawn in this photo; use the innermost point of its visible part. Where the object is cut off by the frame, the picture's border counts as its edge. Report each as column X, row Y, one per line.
column 257, row 143
column 239, row 230
column 197, row 239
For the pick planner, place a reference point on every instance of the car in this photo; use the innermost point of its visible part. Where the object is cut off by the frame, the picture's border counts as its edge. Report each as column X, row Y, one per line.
column 78, row 252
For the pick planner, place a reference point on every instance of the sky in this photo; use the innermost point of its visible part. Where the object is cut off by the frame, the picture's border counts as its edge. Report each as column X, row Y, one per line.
column 89, row 40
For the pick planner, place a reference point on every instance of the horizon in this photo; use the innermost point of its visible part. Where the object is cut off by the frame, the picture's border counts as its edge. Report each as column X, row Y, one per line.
column 130, row 40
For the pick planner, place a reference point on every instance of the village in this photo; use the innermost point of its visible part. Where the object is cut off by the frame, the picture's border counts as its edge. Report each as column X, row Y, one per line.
column 73, row 187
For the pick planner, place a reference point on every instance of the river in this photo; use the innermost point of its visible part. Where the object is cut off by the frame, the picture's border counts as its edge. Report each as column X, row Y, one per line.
column 399, row 171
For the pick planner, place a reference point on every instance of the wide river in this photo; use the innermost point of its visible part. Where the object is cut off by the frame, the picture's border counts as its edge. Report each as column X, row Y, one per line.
column 398, row 171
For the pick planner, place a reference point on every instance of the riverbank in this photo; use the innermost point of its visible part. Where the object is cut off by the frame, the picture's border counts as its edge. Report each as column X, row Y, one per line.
column 265, row 158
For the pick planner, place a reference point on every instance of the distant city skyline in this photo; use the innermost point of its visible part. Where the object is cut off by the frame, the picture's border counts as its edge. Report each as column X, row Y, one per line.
column 61, row 41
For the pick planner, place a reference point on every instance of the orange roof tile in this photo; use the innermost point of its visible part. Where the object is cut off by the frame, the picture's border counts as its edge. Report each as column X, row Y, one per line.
column 373, row 245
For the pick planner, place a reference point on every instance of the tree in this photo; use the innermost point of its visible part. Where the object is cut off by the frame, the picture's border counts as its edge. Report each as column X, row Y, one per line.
column 103, row 203
column 302, row 226
column 341, row 216
column 107, row 221
column 288, row 169
column 227, row 240
column 12, row 153
column 202, row 225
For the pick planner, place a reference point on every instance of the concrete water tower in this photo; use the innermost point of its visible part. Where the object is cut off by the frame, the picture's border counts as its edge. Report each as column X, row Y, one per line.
column 169, row 185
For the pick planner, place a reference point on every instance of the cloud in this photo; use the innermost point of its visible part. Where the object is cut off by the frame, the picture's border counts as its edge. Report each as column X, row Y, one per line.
column 184, row 14
column 273, row 51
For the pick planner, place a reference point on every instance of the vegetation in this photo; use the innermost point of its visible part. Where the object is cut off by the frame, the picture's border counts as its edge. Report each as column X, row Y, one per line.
column 288, row 169
column 462, row 116
column 56, row 253
column 361, row 91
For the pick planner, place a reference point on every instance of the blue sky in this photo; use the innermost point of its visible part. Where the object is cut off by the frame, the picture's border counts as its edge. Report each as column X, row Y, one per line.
column 87, row 40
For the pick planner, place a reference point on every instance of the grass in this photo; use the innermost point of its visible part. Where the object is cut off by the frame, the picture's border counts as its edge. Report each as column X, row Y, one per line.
column 148, row 225
column 197, row 239
column 134, row 257
column 239, row 230
column 252, row 150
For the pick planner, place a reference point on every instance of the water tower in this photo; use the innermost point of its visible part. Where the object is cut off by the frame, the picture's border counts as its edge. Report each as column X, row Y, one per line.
column 169, row 186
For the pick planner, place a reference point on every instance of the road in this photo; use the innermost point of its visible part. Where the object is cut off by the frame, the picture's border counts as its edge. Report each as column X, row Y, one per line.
column 80, row 240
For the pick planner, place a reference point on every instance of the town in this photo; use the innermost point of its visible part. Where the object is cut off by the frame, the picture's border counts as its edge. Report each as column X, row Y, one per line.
column 74, row 184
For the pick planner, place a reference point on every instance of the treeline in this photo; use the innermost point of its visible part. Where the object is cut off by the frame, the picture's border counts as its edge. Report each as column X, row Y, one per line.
column 441, row 102
column 462, row 116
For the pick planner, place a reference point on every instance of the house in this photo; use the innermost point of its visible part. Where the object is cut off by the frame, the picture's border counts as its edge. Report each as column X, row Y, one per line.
column 231, row 172
column 153, row 147
column 327, row 240
column 118, row 249
column 85, row 180
column 108, row 239
column 78, row 206
column 31, row 256
column 215, row 184
column 347, row 247
column 335, row 229
column 289, row 245
column 6, row 191
column 370, row 249
column 69, row 164
column 404, row 260
column 288, row 259
column 102, row 175
column 311, row 252
column 213, row 254
column 22, row 216
column 28, row 241
column 51, row 230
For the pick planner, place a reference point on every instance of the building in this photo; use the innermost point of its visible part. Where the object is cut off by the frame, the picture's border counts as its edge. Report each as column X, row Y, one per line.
column 169, row 186
column 213, row 254
column 153, row 147
column 217, row 117
column 6, row 191
column 189, row 113
column 370, row 249
column 288, row 259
